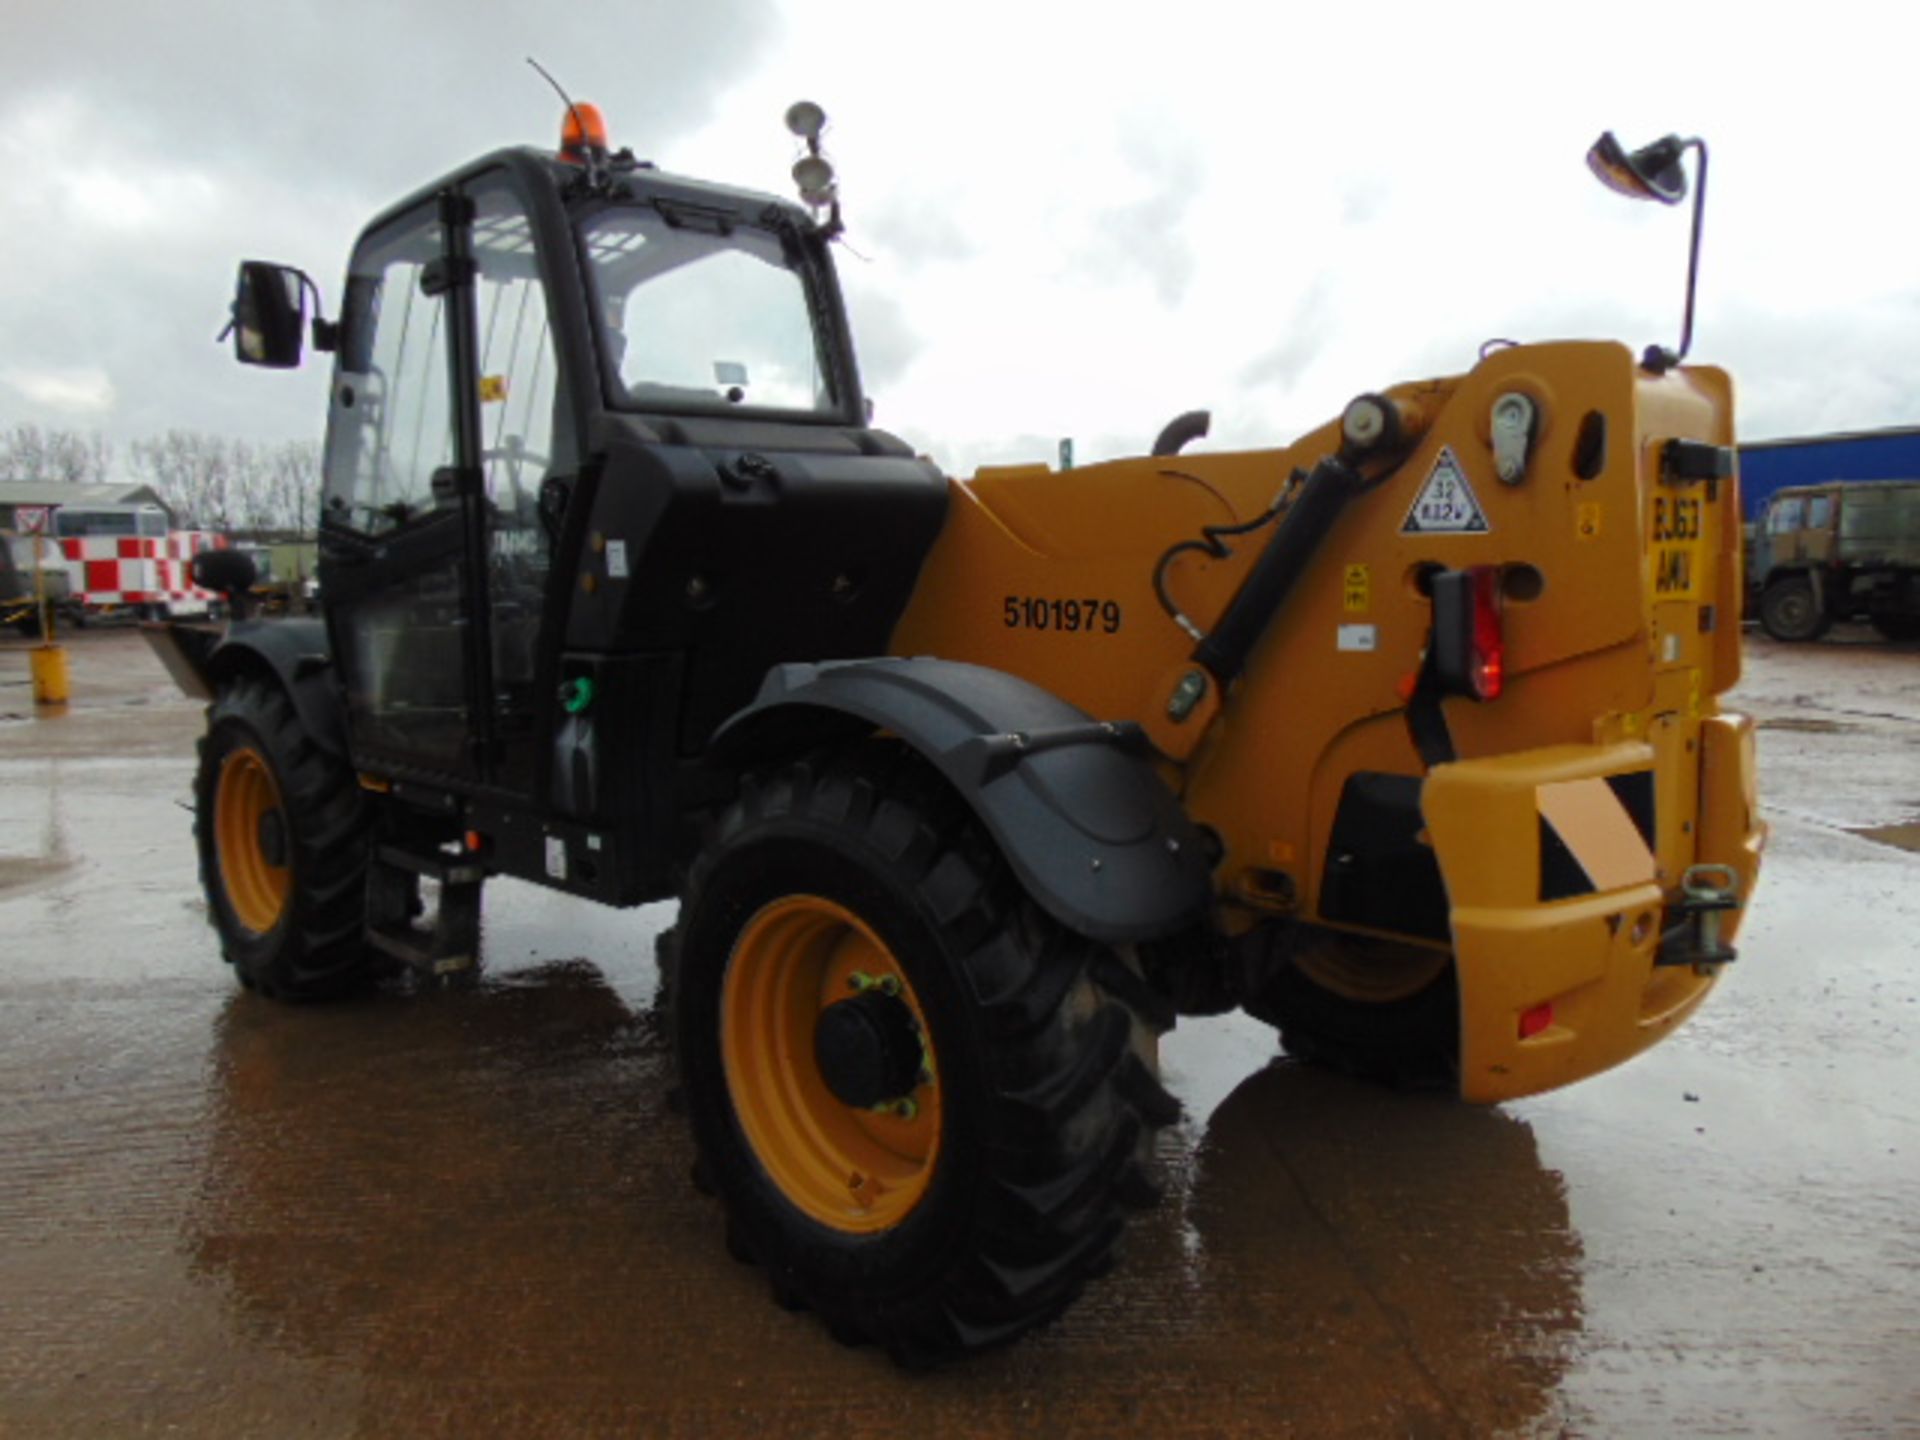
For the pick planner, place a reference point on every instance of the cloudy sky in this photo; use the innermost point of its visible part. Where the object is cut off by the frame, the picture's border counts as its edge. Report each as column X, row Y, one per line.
column 1064, row 219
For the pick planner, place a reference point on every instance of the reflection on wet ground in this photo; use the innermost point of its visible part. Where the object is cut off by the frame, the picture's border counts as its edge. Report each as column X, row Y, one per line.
column 467, row 1211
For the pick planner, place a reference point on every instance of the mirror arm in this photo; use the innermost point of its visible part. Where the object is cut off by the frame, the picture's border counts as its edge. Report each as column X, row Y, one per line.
column 326, row 333
column 1658, row 359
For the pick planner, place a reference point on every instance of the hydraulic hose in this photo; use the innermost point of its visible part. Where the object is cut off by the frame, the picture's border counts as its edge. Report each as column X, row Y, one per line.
column 1329, row 487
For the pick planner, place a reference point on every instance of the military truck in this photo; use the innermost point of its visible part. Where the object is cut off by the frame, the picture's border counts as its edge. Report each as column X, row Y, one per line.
column 1842, row 550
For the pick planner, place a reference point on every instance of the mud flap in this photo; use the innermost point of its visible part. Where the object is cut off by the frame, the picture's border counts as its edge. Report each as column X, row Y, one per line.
column 1074, row 803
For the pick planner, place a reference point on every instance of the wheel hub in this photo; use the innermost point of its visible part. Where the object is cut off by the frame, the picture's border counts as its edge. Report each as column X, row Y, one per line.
column 868, row 1049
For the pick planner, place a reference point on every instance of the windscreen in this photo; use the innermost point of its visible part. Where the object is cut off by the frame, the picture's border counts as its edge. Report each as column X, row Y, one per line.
column 693, row 319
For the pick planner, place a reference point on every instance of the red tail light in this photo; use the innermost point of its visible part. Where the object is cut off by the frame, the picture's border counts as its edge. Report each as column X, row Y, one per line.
column 1469, row 641
column 1489, row 668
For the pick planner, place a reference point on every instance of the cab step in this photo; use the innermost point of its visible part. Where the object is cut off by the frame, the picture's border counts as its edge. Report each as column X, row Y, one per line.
column 451, row 944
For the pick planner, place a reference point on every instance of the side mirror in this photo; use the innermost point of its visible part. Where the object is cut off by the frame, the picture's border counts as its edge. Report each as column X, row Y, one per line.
column 269, row 313
column 231, row 573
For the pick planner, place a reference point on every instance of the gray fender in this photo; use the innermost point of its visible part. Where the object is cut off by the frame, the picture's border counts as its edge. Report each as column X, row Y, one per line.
column 292, row 653
column 1074, row 804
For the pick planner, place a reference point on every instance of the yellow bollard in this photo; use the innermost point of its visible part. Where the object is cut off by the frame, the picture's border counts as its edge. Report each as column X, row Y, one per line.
column 49, row 674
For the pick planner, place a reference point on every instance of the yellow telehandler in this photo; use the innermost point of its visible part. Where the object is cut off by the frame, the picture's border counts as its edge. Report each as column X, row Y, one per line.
column 1404, row 737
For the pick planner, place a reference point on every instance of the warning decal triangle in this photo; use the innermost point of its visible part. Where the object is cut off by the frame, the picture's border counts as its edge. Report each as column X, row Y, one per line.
column 1446, row 504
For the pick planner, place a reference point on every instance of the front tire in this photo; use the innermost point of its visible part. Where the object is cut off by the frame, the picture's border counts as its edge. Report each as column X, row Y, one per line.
column 1789, row 611
column 284, row 839
column 922, row 1102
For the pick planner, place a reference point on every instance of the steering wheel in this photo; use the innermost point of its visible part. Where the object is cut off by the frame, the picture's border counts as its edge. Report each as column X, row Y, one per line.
column 516, row 456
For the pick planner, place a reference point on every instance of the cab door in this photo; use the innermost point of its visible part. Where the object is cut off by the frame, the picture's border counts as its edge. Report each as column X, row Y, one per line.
column 450, row 414
column 402, row 514
column 527, row 435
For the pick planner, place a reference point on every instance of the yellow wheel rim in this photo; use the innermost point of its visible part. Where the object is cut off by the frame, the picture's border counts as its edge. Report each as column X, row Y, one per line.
column 1371, row 972
column 854, row 1169
column 246, row 806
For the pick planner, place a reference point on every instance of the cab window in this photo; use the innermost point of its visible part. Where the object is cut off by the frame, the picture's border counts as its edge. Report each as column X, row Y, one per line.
column 391, row 426
column 1786, row 515
column 1820, row 512
column 703, row 316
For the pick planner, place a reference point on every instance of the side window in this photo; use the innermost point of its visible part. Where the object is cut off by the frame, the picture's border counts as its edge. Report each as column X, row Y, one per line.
column 1820, row 512
column 392, row 413
column 1786, row 516
column 518, row 376
column 522, row 438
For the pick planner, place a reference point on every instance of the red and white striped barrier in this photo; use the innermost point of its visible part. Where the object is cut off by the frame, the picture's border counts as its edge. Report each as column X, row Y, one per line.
column 116, row 570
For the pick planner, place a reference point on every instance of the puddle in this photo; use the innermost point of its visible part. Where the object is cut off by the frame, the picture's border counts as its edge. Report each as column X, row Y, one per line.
column 1806, row 725
column 18, row 872
column 1905, row 836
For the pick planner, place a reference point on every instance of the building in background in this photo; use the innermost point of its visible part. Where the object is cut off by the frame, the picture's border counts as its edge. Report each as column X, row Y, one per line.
column 116, row 543
column 59, row 495
column 1770, row 465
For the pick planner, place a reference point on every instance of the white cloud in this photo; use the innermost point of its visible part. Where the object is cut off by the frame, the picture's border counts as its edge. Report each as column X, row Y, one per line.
column 78, row 394
column 1079, row 222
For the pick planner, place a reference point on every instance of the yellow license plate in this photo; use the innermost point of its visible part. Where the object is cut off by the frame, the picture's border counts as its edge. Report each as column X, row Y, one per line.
column 1678, row 541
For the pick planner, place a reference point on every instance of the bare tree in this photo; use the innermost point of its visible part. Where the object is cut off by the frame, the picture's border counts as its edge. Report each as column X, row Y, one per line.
column 192, row 472
column 28, row 452
column 293, row 478
column 211, row 482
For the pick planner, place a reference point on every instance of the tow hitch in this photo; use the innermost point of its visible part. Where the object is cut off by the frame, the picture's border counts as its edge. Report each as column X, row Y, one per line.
column 1706, row 891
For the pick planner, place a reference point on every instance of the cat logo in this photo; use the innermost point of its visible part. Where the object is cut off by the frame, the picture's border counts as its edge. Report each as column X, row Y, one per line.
column 1446, row 504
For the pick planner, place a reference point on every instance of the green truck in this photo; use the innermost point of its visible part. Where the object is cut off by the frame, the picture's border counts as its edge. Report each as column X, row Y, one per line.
column 1841, row 550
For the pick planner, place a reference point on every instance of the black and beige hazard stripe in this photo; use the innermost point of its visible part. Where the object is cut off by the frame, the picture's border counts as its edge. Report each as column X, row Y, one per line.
column 1596, row 834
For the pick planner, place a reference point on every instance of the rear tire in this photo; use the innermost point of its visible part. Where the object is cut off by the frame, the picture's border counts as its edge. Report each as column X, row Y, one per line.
column 1371, row 1009
column 284, row 837
column 1789, row 611
column 984, row 1212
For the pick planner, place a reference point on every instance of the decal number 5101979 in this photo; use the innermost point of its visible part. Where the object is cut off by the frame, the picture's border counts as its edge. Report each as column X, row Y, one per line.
column 1035, row 612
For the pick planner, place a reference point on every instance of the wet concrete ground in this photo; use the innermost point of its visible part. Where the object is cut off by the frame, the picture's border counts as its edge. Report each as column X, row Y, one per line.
column 466, row 1212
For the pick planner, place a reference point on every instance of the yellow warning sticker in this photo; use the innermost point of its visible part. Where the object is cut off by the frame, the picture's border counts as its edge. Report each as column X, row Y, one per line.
column 493, row 389
column 1586, row 520
column 1357, row 592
